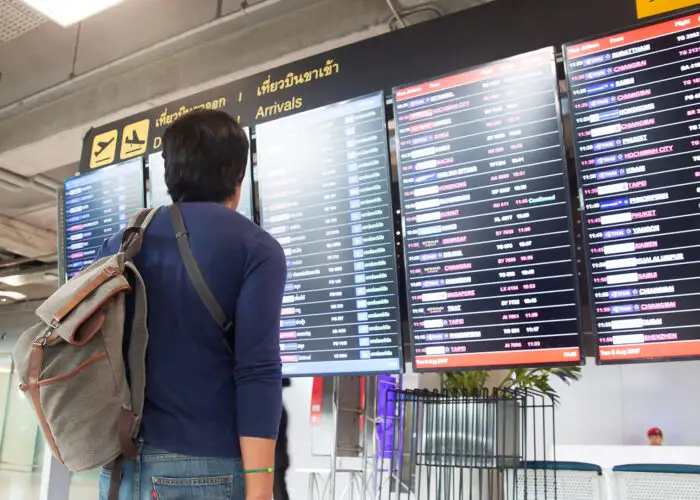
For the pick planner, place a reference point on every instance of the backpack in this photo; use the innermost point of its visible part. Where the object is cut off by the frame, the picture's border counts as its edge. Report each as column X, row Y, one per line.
column 71, row 362
column 71, row 365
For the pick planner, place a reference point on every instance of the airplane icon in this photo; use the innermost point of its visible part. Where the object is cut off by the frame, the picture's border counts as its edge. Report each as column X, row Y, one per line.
column 134, row 139
column 102, row 145
column 104, row 148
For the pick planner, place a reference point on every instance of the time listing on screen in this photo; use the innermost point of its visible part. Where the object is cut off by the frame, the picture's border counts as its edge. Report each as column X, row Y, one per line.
column 488, row 239
column 97, row 205
column 636, row 112
column 323, row 179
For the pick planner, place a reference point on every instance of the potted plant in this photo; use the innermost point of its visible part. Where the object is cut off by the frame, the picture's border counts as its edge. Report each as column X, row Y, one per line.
column 477, row 429
column 480, row 413
column 538, row 379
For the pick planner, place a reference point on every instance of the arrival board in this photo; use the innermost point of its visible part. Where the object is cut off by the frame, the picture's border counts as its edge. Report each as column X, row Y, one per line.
column 97, row 205
column 488, row 239
column 636, row 112
column 158, row 191
column 323, row 179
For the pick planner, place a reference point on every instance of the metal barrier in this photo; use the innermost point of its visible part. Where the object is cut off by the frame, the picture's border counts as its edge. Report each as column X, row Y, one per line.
column 468, row 445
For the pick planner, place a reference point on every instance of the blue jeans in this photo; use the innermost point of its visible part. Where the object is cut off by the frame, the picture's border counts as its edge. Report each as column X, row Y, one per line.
column 160, row 475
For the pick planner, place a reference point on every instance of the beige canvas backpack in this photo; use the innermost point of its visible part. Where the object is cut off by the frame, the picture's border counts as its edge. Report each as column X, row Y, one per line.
column 71, row 365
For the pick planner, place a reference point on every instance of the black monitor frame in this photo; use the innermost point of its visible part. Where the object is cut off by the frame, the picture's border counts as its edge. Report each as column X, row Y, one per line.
column 63, row 214
column 678, row 14
column 570, row 226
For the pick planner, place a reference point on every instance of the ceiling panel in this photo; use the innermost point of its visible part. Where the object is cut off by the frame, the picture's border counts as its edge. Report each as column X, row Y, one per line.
column 33, row 207
column 33, row 291
column 13, row 202
column 137, row 24
column 16, row 19
column 62, row 173
column 229, row 6
column 35, row 61
column 45, row 218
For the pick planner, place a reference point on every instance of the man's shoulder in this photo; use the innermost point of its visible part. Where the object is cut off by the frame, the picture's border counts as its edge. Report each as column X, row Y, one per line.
column 112, row 244
column 229, row 229
column 217, row 224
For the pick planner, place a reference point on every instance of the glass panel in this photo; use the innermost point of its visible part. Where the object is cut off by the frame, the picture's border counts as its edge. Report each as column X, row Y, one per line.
column 21, row 445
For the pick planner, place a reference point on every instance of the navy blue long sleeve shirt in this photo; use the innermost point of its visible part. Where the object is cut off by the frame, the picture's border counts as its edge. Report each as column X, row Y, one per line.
column 198, row 399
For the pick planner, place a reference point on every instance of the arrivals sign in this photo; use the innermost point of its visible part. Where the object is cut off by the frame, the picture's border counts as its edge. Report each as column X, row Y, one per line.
column 376, row 64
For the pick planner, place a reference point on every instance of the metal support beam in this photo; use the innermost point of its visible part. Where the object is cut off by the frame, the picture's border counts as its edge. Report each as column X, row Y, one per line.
column 26, row 240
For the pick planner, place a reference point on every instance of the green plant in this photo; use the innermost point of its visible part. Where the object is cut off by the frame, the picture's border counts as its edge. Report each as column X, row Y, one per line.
column 517, row 378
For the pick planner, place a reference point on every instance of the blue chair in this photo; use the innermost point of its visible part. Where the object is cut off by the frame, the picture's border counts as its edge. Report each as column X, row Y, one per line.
column 545, row 480
column 662, row 481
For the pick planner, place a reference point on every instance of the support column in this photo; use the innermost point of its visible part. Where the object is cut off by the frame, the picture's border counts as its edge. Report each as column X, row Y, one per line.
column 55, row 479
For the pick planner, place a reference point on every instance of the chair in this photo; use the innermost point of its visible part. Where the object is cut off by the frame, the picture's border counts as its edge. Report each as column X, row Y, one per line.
column 573, row 480
column 657, row 481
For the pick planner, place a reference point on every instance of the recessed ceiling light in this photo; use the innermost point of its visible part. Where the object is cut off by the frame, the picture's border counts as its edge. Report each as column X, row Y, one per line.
column 13, row 280
column 67, row 12
column 5, row 295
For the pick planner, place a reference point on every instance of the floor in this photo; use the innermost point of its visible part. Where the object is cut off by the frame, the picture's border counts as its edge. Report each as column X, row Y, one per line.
column 26, row 486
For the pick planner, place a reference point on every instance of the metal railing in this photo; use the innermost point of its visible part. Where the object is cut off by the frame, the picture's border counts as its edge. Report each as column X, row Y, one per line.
column 467, row 445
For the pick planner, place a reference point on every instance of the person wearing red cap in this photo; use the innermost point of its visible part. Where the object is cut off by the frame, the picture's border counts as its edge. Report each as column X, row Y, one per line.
column 655, row 436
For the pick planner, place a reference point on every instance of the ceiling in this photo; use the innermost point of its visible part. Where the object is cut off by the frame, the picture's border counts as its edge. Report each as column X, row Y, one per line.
column 56, row 83
column 16, row 19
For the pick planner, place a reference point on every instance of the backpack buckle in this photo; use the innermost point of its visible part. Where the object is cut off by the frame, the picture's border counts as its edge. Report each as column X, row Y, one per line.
column 112, row 271
column 44, row 339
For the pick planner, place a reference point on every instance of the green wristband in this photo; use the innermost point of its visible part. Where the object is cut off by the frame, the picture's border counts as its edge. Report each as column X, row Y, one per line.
column 259, row 471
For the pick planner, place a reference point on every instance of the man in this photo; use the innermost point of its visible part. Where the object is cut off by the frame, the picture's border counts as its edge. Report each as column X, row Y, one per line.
column 211, row 417
column 655, row 436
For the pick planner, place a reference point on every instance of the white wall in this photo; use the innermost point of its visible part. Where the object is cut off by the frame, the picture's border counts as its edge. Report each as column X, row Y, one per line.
column 14, row 319
column 616, row 405
column 611, row 405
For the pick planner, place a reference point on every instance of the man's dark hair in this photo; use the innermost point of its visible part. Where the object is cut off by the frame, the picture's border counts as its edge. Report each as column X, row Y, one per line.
column 206, row 153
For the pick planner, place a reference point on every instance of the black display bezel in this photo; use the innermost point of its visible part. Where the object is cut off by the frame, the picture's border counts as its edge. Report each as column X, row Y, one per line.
column 584, row 224
column 394, row 207
column 570, row 224
column 63, row 223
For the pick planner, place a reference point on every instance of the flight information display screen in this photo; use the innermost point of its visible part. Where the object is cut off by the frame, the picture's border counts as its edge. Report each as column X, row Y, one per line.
column 636, row 112
column 158, row 192
column 488, row 227
column 324, row 187
column 97, row 205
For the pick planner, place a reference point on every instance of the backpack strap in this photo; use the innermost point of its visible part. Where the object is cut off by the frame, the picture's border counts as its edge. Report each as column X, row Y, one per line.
column 138, row 343
column 130, row 247
column 132, row 237
column 130, row 421
column 197, row 279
